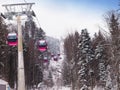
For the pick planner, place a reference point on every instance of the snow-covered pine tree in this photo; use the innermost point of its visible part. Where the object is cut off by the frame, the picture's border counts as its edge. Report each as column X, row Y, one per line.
column 86, row 57
column 100, row 56
column 113, row 22
column 101, row 46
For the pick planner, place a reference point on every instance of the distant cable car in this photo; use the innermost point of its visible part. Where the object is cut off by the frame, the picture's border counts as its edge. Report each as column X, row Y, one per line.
column 42, row 45
column 45, row 59
column 55, row 58
column 12, row 39
column 58, row 54
column 52, row 55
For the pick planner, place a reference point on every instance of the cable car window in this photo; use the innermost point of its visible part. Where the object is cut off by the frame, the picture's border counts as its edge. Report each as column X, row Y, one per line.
column 42, row 43
column 12, row 37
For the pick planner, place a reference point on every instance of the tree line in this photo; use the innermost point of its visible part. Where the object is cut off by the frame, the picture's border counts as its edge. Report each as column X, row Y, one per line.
column 91, row 62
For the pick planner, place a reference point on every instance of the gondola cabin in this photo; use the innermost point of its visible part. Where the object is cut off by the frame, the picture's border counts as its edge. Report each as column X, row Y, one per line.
column 58, row 54
column 55, row 58
column 52, row 55
column 12, row 39
column 42, row 45
column 45, row 59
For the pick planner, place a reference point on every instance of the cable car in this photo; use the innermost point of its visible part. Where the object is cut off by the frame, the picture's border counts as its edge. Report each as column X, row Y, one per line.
column 52, row 55
column 12, row 39
column 42, row 45
column 58, row 54
column 45, row 59
column 55, row 58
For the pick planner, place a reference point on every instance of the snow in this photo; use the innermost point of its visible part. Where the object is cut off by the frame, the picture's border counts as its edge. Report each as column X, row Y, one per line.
column 12, row 34
column 42, row 41
column 55, row 67
column 53, row 88
column 61, row 88
column 98, row 88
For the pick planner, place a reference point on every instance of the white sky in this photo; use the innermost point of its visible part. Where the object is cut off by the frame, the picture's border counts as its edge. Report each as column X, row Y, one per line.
column 58, row 20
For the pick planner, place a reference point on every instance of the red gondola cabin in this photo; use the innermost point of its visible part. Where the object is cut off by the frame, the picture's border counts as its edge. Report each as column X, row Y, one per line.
column 45, row 59
column 12, row 39
column 55, row 58
column 42, row 45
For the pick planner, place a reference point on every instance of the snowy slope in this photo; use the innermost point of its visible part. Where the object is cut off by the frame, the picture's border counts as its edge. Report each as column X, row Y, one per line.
column 56, row 68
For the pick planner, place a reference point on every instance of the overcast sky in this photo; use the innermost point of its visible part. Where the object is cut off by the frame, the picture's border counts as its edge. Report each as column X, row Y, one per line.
column 60, row 17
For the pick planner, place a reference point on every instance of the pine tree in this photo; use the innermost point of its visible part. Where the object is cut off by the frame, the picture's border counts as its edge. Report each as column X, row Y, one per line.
column 113, row 25
column 86, row 56
column 101, row 46
column 100, row 56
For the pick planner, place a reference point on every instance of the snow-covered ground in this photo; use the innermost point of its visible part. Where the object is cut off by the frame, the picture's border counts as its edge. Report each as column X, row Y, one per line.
column 98, row 88
column 55, row 67
column 60, row 88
